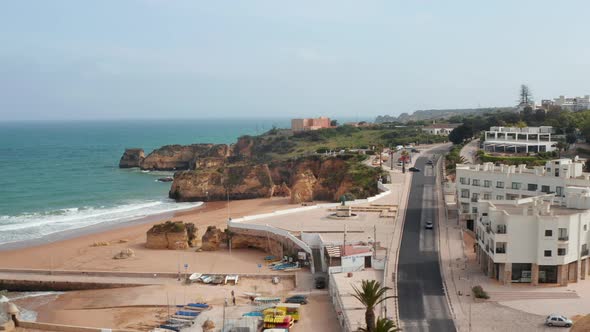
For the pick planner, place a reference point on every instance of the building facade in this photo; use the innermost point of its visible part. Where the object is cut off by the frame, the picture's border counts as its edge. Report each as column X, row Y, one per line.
column 310, row 124
column 508, row 182
column 519, row 140
column 573, row 104
column 440, row 129
column 534, row 240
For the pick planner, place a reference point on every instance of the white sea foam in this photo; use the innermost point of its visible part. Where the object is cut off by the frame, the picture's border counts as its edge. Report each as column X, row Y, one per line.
column 29, row 226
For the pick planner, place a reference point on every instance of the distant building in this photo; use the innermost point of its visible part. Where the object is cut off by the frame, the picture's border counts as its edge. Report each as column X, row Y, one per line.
column 519, row 140
column 573, row 104
column 310, row 124
column 443, row 129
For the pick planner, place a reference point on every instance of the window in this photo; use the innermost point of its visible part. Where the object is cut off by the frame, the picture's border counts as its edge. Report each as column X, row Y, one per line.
column 563, row 236
column 487, row 196
column 474, row 210
column 500, row 197
column 532, row 187
column 515, row 185
column 487, row 183
column 499, row 184
column 585, row 227
column 545, row 189
column 547, row 253
column 464, row 180
column 560, row 251
column 559, row 191
column 548, row 232
column 475, row 182
column 465, row 193
column 474, row 197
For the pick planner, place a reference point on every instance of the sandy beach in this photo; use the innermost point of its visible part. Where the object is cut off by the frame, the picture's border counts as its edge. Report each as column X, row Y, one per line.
column 78, row 253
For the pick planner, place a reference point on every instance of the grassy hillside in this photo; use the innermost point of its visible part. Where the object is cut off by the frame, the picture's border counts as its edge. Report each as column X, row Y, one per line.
column 277, row 144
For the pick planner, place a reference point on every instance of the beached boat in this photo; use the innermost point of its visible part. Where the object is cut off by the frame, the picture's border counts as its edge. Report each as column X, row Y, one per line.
column 195, row 277
column 199, row 305
column 267, row 299
column 250, row 294
column 187, row 313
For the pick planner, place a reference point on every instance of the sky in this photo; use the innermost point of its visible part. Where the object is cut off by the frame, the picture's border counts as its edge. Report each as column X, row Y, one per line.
column 119, row 59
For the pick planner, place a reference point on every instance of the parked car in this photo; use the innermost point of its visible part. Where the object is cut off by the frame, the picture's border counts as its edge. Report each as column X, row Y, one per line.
column 300, row 299
column 429, row 224
column 429, row 162
column 558, row 320
column 415, row 151
column 320, row 282
column 414, row 169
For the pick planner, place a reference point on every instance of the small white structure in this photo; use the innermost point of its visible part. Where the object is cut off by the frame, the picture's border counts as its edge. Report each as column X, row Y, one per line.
column 443, row 129
column 519, row 140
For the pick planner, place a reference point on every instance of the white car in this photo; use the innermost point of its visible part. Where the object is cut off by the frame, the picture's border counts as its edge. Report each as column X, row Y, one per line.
column 558, row 320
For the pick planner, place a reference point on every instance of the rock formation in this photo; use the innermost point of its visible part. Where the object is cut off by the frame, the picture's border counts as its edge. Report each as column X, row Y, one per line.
column 131, row 158
column 212, row 239
column 171, row 235
column 281, row 191
column 182, row 157
column 214, row 184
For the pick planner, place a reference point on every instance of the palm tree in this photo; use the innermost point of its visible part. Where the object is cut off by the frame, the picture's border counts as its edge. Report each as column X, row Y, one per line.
column 383, row 325
column 370, row 295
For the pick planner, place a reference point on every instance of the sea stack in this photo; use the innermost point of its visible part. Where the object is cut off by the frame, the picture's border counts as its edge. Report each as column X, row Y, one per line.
column 132, row 158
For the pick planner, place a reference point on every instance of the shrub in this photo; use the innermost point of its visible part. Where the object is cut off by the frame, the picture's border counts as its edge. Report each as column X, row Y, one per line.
column 479, row 293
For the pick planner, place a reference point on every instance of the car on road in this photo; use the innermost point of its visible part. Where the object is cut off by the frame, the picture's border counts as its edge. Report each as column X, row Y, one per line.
column 320, row 282
column 558, row 320
column 429, row 224
column 429, row 162
column 415, row 151
column 300, row 299
column 413, row 169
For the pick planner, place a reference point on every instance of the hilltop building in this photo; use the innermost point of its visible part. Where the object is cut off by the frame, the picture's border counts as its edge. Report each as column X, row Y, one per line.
column 443, row 129
column 310, row 124
column 573, row 104
column 519, row 140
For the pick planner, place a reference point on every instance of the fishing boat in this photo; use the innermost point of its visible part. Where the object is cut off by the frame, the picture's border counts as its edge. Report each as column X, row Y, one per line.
column 267, row 299
column 195, row 277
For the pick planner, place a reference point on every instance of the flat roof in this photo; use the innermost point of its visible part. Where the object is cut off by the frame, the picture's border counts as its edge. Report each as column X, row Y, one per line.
column 353, row 310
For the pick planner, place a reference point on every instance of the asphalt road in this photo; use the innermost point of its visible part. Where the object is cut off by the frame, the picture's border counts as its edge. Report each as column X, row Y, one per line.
column 422, row 302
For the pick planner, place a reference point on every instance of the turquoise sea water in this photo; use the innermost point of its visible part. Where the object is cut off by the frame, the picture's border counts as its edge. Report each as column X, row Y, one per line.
column 57, row 176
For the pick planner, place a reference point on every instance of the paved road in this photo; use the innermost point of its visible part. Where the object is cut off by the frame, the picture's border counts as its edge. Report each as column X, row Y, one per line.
column 422, row 302
column 469, row 151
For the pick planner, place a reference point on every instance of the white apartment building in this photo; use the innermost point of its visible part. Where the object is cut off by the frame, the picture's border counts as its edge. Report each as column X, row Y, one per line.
column 519, row 140
column 573, row 103
column 504, row 182
column 533, row 240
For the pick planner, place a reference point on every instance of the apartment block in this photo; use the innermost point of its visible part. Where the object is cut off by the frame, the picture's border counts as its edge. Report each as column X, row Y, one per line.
column 535, row 240
column 519, row 140
column 508, row 182
column 310, row 124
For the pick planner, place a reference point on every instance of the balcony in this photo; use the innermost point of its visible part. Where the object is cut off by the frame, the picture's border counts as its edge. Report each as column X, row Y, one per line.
column 500, row 250
column 474, row 200
column 488, row 229
column 584, row 252
column 563, row 238
column 501, row 229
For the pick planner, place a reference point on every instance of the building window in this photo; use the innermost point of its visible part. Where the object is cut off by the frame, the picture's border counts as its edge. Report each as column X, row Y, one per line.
column 473, row 210
column 559, row 191
column 545, row 189
column 500, row 197
column 585, row 227
column 548, row 232
column 487, row 183
column 465, row 193
column 560, row 251
column 532, row 187
column 475, row 182
column 547, row 253
column 515, row 185
column 474, row 197
column 499, row 184
column 563, row 235
column 487, row 196
column 463, row 180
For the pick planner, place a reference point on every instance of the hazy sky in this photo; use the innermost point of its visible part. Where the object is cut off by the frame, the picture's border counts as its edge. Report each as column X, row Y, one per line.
column 158, row 58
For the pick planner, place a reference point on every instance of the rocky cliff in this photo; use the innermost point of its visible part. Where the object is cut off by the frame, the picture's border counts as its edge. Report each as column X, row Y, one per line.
column 171, row 235
column 183, row 157
column 131, row 158
column 214, row 184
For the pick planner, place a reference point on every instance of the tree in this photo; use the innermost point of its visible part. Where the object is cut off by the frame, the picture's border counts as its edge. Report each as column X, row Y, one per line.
column 383, row 325
column 461, row 133
column 334, row 123
column 561, row 146
column 370, row 295
column 525, row 95
column 571, row 138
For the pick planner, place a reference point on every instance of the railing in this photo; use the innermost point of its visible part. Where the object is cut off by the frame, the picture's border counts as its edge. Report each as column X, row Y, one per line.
column 500, row 250
column 563, row 238
column 474, row 200
column 585, row 252
column 501, row 229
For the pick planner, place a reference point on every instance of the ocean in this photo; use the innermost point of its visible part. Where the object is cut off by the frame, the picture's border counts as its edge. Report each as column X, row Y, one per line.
column 61, row 176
